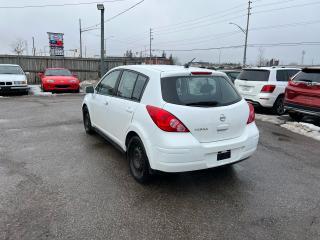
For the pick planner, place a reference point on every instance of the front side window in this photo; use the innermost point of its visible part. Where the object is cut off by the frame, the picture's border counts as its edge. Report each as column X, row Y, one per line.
column 210, row 91
column 14, row 70
column 284, row 75
column 108, row 84
column 127, row 83
column 58, row 72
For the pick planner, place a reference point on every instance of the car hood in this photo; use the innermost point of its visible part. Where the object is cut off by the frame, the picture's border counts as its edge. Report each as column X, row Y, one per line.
column 12, row 77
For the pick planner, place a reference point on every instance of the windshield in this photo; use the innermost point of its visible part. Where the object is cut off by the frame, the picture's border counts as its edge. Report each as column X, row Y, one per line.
column 201, row 91
column 58, row 72
column 308, row 75
column 11, row 70
column 254, row 75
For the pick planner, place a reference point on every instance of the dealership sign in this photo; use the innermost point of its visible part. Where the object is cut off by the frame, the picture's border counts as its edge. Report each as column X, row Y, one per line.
column 56, row 44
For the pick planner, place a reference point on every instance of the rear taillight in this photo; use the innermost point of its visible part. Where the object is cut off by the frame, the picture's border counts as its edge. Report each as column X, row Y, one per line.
column 251, row 114
column 165, row 120
column 268, row 88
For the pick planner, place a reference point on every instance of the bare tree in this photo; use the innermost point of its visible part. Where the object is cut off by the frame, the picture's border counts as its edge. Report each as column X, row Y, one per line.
column 261, row 60
column 19, row 46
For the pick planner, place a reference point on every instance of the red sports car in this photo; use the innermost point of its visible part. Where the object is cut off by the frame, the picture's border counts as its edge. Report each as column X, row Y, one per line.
column 58, row 80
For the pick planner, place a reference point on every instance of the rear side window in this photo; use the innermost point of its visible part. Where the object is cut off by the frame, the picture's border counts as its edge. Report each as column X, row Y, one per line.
column 284, row 75
column 126, row 86
column 199, row 91
column 254, row 75
column 308, row 75
column 139, row 87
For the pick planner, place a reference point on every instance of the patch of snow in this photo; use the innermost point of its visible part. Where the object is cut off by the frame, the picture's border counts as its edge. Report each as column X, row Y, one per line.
column 36, row 91
column 270, row 118
column 306, row 129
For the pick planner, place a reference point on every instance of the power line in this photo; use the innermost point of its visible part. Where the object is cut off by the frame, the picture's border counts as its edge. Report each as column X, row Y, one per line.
column 59, row 5
column 240, row 46
column 93, row 27
column 288, row 7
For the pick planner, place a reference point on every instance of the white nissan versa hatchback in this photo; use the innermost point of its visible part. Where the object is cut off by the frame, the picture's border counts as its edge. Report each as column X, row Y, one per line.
column 171, row 118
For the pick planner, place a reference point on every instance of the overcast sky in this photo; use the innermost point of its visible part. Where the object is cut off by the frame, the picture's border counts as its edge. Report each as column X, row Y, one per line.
column 177, row 24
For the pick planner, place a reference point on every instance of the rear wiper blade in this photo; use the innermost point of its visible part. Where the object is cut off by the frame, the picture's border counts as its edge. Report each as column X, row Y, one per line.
column 203, row 103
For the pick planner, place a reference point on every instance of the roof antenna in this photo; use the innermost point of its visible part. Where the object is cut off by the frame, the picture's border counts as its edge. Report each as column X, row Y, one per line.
column 187, row 65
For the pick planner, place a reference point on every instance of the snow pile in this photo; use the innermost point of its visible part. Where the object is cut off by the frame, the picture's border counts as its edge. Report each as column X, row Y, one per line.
column 270, row 118
column 36, row 91
column 306, row 129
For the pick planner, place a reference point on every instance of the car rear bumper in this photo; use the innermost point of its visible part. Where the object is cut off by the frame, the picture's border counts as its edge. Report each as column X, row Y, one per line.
column 302, row 109
column 197, row 156
column 14, row 89
column 261, row 99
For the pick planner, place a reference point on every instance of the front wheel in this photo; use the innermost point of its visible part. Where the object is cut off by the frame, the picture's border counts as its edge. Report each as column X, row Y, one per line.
column 296, row 116
column 278, row 107
column 87, row 121
column 138, row 160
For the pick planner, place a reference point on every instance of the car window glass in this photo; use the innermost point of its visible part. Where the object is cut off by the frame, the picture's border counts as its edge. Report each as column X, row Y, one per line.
column 308, row 76
column 199, row 91
column 254, row 75
column 282, row 76
column 108, row 83
column 128, row 80
column 291, row 73
column 138, row 89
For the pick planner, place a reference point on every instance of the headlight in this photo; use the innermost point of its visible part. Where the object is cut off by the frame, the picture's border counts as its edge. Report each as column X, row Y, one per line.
column 20, row 83
column 50, row 81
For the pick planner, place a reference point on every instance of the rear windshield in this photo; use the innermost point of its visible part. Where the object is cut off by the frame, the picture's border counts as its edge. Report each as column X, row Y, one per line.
column 254, row 75
column 15, row 70
column 308, row 76
column 211, row 91
column 58, row 72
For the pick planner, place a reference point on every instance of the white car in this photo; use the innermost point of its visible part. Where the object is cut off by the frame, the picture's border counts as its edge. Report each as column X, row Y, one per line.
column 265, row 86
column 171, row 118
column 13, row 79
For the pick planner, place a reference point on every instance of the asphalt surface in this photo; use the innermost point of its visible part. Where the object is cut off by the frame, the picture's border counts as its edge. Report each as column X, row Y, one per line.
column 56, row 182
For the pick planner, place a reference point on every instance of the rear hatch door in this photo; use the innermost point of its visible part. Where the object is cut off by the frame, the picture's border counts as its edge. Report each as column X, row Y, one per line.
column 251, row 81
column 209, row 106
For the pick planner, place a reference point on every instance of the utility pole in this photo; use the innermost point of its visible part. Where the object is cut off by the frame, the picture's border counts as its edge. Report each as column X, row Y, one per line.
column 151, row 38
column 247, row 31
column 80, row 37
column 33, row 48
column 101, row 8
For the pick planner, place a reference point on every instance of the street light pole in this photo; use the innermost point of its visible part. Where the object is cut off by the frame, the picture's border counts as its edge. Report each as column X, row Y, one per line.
column 101, row 8
column 245, row 31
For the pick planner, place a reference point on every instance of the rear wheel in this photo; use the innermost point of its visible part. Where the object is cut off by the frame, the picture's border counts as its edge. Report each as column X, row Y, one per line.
column 278, row 107
column 87, row 121
column 138, row 160
column 296, row 116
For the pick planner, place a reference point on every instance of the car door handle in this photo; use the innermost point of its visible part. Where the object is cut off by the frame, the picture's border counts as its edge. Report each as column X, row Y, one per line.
column 129, row 110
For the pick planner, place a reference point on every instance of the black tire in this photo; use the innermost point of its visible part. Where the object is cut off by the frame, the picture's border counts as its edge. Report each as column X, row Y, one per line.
column 138, row 161
column 278, row 107
column 296, row 116
column 87, row 121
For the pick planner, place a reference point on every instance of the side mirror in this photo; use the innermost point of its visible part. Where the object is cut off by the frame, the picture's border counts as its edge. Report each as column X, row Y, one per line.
column 90, row 89
column 40, row 75
column 27, row 73
column 75, row 74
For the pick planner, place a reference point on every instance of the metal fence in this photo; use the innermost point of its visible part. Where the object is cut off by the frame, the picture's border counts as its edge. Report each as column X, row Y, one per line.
column 85, row 68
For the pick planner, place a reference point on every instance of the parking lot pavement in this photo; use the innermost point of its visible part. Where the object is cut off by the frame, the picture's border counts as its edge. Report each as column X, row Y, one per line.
column 56, row 182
